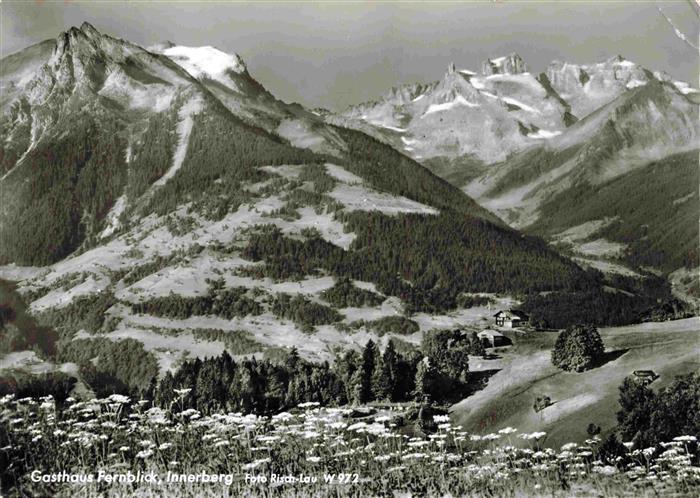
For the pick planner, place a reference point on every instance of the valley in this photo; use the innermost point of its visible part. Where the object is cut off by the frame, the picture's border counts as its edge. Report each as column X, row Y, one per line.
column 174, row 236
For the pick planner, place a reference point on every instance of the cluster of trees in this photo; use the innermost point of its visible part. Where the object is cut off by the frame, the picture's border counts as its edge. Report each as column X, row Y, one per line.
column 7, row 314
column 469, row 301
column 303, row 312
column 248, row 386
column 427, row 261
column 18, row 329
column 63, row 190
column 134, row 274
column 84, row 312
column 345, row 294
column 578, row 348
column 291, row 259
column 65, row 282
column 56, row 384
column 438, row 374
column 596, row 306
column 152, row 153
column 388, row 170
column 180, row 225
column 672, row 309
column 443, row 373
column 227, row 303
column 395, row 324
column 317, row 174
column 649, row 418
column 109, row 367
column 236, row 342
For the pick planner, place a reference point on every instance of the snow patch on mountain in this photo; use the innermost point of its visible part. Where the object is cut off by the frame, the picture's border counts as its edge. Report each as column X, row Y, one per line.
column 136, row 95
column 459, row 100
column 517, row 103
column 477, row 83
column 684, row 87
column 206, row 62
column 635, row 83
column 544, row 134
column 388, row 127
column 184, row 129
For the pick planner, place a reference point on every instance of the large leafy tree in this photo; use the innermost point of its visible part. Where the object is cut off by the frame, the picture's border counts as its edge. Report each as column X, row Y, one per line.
column 649, row 418
column 578, row 348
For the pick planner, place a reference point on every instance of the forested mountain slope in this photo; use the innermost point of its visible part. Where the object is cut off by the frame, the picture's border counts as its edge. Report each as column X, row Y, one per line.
column 154, row 209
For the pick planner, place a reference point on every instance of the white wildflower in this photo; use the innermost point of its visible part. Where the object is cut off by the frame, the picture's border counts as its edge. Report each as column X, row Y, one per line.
column 144, row 453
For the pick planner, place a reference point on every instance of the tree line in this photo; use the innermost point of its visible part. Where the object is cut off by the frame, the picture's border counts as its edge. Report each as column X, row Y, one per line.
column 440, row 373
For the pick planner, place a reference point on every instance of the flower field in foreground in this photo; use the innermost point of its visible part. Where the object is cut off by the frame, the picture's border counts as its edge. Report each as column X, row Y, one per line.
column 309, row 451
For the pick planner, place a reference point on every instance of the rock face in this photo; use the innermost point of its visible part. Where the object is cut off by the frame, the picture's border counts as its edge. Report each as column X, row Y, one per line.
column 509, row 64
column 487, row 118
column 588, row 87
column 465, row 114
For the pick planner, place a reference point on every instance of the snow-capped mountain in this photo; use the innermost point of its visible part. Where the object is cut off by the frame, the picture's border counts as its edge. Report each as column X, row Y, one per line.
column 520, row 143
column 503, row 110
column 589, row 87
column 135, row 177
column 629, row 162
column 485, row 116
column 226, row 77
column 100, row 126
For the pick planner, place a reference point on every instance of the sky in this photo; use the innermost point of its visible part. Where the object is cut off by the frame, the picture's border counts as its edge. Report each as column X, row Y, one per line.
column 335, row 54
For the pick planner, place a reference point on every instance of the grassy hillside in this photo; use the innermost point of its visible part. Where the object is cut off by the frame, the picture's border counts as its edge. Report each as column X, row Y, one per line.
column 525, row 371
column 656, row 207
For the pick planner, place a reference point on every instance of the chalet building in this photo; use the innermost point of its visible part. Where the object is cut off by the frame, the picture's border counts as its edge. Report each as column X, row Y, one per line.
column 510, row 318
column 492, row 338
column 645, row 376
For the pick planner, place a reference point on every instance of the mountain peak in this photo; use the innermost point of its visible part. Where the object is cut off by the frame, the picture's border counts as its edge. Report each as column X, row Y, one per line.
column 509, row 64
column 89, row 29
column 205, row 62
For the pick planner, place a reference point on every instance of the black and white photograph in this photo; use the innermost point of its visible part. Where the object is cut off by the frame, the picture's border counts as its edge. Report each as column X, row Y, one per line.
column 349, row 249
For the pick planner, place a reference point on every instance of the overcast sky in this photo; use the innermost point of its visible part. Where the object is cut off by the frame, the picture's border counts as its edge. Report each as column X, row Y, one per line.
column 336, row 54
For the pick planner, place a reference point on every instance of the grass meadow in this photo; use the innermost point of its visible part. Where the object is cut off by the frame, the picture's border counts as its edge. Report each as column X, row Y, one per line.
column 310, row 451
